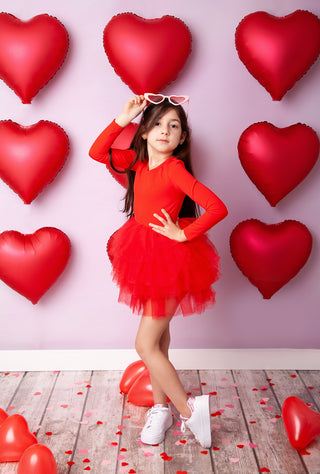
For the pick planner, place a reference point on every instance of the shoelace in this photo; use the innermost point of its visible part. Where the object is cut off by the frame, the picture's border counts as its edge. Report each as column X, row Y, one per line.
column 150, row 413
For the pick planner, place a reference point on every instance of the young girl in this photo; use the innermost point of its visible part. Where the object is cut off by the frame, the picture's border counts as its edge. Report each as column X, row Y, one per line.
column 162, row 261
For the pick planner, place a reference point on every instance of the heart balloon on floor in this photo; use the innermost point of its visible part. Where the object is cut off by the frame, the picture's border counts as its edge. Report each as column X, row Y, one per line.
column 31, row 157
column 278, row 51
column 122, row 142
column 301, row 423
column 37, row 459
column 131, row 374
column 31, row 52
column 270, row 255
column 140, row 393
column 278, row 159
column 15, row 438
column 146, row 54
column 30, row 264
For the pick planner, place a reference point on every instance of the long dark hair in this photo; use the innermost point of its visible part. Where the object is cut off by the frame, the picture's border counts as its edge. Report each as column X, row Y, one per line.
column 149, row 118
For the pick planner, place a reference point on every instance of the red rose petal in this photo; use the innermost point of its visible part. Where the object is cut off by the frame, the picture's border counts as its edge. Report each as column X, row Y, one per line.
column 68, row 452
column 70, row 463
column 204, row 452
column 49, row 433
column 86, row 460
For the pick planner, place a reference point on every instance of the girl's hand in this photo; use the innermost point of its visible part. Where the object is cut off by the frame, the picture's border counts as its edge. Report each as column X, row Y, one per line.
column 169, row 228
column 131, row 110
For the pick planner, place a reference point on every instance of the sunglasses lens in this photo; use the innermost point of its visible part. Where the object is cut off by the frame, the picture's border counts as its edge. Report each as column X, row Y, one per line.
column 155, row 98
column 178, row 99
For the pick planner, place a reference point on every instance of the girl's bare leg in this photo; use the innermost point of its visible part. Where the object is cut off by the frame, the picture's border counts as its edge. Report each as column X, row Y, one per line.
column 152, row 343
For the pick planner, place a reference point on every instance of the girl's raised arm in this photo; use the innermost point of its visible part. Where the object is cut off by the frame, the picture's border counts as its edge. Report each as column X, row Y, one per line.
column 131, row 110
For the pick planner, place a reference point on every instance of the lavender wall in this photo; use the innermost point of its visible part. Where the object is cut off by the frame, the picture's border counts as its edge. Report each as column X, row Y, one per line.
column 81, row 310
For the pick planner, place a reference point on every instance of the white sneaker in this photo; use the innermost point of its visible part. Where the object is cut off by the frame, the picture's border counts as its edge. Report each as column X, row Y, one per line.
column 158, row 422
column 199, row 422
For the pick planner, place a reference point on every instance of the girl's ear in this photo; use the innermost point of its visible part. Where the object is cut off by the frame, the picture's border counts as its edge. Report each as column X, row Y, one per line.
column 183, row 137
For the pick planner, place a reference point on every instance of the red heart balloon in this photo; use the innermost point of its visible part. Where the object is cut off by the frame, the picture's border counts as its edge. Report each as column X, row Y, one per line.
column 37, row 459
column 3, row 415
column 122, row 142
column 278, row 51
column 31, row 52
column 301, row 423
column 15, row 438
column 31, row 157
column 131, row 374
column 278, row 159
column 30, row 264
column 146, row 54
column 140, row 393
column 270, row 255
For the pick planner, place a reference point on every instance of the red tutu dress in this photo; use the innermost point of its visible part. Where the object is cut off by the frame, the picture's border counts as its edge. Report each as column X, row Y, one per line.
column 149, row 267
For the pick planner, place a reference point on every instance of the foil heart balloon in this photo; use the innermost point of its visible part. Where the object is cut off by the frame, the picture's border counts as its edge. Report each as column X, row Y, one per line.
column 278, row 51
column 3, row 415
column 146, row 54
column 301, row 423
column 131, row 374
column 31, row 52
column 31, row 157
column 37, row 459
column 122, row 142
column 278, row 159
column 270, row 255
column 140, row 393
column 15, row 438
column 30, row 264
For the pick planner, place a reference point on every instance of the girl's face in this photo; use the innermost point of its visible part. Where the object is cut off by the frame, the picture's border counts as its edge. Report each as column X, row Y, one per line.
column 165, row 136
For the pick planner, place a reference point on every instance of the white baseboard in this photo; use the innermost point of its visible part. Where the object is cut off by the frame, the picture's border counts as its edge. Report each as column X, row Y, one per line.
column 47, row 360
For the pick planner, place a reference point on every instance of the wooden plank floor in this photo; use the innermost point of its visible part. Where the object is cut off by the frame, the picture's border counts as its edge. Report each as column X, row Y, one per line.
column 89, row 426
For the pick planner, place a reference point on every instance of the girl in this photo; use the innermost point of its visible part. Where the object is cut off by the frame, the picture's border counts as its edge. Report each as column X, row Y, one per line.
column 161, row 259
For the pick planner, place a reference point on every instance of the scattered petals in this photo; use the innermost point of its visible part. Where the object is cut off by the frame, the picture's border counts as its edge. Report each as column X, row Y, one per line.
column 234, row 460
column 165, row 457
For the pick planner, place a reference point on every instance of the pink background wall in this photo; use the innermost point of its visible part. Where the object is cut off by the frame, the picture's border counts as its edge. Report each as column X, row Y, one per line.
column 81, row 310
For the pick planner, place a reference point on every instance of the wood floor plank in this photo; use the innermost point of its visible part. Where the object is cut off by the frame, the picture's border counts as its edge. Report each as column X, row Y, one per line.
column 60, row 423
column 261, row 409
column 311, row 379
column 141, row 458
column 187, row 454
column 30, row 401
column 103, row 420
column 232, row 446
column 287, row 384
column 9, row 382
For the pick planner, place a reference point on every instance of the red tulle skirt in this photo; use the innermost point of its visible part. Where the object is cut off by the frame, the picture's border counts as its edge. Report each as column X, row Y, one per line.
column 152, row 270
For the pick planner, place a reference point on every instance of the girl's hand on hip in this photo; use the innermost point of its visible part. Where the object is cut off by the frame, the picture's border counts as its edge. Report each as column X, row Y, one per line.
column 169, row 228
column 133, row 107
